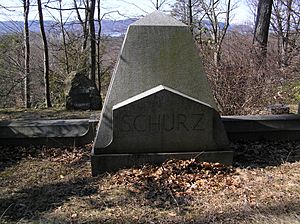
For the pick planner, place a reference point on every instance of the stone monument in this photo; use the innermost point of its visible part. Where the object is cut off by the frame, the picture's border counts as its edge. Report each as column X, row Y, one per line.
column 159, row 104
column 81, row 93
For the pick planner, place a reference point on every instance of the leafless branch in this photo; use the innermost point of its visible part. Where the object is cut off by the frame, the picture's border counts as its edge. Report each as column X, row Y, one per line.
column 8, row 8
column 130, row 3
column 65, row 9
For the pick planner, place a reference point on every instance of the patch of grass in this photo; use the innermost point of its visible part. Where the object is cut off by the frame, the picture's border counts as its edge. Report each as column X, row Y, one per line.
column 6, row 173
column 296, row 91
column 54, row 185
column 291, row 91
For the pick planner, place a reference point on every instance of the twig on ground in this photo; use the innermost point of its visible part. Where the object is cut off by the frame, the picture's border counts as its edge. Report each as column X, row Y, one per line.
column 2, row 215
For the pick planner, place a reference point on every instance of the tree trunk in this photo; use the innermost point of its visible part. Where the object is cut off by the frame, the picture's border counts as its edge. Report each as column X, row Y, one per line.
column 286, row 35
column 83, row 23
column 64, row 38
column 190, row 7
column 262, row 24
column 46, row 55
column 92, row 75
column 27, row 55
column 99, row 48
column 217, row 55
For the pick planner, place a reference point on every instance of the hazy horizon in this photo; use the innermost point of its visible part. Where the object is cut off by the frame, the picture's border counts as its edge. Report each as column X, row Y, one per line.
column 121, row 9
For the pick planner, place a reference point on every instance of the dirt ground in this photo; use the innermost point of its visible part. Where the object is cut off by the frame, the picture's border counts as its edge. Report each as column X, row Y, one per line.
column 54, row 185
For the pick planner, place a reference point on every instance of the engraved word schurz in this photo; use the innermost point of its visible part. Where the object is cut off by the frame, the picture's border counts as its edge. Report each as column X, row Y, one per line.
column 164, row 122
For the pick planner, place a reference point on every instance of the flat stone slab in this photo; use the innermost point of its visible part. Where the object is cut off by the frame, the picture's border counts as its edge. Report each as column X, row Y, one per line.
column 44, row 128
column 262, row 123
column 264, row 127
column 54, row 133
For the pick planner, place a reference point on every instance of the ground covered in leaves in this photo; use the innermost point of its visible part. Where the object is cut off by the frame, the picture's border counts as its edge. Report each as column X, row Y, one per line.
column 54, row 185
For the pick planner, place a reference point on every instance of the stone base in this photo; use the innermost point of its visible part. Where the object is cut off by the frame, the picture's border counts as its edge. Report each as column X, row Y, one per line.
column 113, row 162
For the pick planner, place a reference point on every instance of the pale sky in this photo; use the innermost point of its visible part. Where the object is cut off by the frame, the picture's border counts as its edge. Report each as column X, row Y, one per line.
column 128, row 8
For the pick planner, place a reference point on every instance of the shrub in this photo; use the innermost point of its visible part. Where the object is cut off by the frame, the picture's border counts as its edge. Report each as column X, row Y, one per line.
column 241, row 85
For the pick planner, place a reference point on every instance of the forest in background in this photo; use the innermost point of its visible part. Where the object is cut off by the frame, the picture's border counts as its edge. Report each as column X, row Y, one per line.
column 248, row 69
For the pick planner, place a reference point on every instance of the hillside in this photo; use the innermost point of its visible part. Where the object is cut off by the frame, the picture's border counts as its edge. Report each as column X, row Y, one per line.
column 109, row 27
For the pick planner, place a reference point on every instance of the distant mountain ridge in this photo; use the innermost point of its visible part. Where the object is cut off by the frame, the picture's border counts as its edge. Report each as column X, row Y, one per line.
column 109, row 27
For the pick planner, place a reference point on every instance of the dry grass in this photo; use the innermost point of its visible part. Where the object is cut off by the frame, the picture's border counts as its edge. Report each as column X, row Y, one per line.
column 50, row 185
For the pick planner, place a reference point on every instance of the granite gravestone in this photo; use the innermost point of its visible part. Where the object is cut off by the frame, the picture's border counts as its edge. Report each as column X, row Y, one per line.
column 81, row 93
column 159, row 104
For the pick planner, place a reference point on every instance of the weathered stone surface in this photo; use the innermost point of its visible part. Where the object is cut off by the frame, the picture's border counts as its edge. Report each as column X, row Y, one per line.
column 81, row 93
column 162, row 119
column 161, row 124
column 159, row 104
column 158, row 19
column 284, row 127
column 113, row 162
column 155, row 52
column 76, row 132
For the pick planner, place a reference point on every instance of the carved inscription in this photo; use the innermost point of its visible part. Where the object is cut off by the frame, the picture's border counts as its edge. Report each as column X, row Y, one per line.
column 162, row 122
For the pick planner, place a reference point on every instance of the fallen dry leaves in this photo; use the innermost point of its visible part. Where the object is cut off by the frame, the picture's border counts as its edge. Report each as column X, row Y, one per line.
column 175, row 179
column 54, row 185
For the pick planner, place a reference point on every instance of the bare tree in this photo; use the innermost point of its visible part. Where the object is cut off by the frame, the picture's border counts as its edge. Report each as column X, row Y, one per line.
column 46, row 55
column 27, row 100
column 215, row 13
column 99, row 46
column 92, row 7
column 285, row 22
column 158, row 3
column 63, row 36
column 197, row 13
column 12, row 69
column 190, row 6
column 89, row 32
column 186, row 10
column 83, row 22
column 261, row 31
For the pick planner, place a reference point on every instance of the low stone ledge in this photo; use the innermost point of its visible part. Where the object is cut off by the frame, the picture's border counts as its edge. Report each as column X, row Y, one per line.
column 48, row 132
column 250, row 128
column 44, row 128
column 264, row 127
column 113, row 162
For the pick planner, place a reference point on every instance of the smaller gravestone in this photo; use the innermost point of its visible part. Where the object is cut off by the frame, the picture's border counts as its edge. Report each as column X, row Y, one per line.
column 81, row 93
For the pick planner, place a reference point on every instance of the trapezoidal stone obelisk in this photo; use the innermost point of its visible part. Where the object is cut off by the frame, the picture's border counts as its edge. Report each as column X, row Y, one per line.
column 159, row 104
